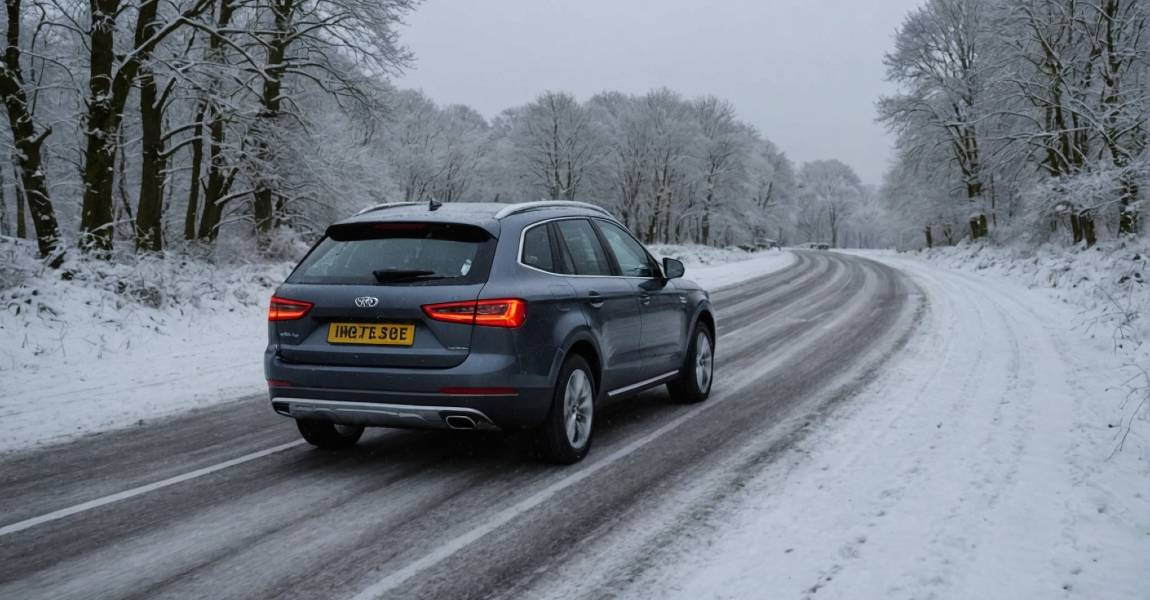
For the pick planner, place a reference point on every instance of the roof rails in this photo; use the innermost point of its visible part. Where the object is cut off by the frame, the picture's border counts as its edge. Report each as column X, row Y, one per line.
column 386, row 206
column 527, row 206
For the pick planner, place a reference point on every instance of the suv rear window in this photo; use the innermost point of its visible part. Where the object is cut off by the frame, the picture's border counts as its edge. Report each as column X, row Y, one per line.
column 398, row 254
column 537, row 249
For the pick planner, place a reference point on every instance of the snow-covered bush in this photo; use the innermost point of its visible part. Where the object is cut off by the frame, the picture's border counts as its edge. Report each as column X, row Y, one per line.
column 93, row 307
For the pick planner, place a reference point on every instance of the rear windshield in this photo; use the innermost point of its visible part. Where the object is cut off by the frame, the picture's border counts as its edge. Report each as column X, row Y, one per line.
column 398, row 254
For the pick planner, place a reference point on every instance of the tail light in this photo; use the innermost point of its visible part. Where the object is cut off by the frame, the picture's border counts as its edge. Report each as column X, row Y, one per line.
column 504, row 312
column 282, row 309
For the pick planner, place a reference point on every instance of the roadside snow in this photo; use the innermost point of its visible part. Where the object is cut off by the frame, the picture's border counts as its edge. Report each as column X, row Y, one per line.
column 124, row 343
column 987, row 461
column 714, row 268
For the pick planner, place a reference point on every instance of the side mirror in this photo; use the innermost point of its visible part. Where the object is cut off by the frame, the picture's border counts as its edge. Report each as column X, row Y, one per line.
column 673, row 269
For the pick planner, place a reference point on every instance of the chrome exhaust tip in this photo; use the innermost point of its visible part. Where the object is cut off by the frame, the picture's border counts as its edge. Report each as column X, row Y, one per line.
column 460, row 422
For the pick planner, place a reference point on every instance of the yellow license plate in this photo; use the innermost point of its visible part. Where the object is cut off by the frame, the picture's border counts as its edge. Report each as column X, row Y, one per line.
column 377, row 334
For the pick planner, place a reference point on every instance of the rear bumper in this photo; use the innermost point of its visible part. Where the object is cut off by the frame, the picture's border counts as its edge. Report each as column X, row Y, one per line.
column 410, row 398
column 383, row 415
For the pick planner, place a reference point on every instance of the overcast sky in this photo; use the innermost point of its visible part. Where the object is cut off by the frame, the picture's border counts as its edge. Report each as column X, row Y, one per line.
column 805, row 72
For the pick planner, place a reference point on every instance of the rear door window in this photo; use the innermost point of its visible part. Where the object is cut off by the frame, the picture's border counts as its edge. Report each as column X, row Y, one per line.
column 583, row 247
column 398, row 254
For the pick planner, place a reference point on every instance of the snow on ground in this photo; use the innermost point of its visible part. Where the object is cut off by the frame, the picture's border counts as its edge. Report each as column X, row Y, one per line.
column 124, row 343
column 714, row 268
column 987, row 461
column 1105, row 282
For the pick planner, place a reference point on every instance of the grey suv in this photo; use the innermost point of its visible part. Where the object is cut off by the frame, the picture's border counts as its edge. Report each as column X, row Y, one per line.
column 481, row 316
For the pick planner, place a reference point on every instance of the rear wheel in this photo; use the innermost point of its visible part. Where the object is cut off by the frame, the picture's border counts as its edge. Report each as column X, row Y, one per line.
column 694, row 382
column 566, row 435
column 329, row 436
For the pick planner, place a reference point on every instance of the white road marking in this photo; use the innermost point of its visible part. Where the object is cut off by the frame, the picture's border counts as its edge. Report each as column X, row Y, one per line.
column 137, row 491
column 143, row 489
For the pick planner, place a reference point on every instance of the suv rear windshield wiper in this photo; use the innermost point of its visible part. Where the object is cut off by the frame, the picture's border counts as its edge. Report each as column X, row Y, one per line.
column 395, row 275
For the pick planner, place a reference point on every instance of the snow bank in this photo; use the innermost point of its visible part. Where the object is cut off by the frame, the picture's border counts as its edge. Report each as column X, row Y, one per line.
column 121, row 342
column 124, row 342
column 714, row 268
column 1107, row 282
column 1105, row 285
column 980, row 463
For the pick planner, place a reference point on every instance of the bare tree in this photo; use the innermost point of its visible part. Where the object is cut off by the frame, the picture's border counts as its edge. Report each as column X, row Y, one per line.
column 28, row 142
column 832, row 187
column 554, row 140
column 725, row 145
column 110, row 79
column 939, row 61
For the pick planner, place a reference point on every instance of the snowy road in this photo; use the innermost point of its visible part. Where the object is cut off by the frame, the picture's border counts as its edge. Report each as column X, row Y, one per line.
column 223, row 503
column 980, row 463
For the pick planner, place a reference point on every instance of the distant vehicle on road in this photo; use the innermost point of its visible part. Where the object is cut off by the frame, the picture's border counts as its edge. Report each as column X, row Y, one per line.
column 768, row 244
column 482, row 316
column 817, row 246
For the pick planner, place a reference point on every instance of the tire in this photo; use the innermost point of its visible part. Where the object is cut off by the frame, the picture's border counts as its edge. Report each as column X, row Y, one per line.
column 329, row 436
column 694, row 383
column 566, row 435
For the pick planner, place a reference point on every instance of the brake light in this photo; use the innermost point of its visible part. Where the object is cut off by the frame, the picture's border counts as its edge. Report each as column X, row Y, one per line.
column 504, row 312
column 282, row 309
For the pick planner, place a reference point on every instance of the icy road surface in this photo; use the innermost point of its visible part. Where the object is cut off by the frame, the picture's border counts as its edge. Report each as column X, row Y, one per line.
column 845, row 452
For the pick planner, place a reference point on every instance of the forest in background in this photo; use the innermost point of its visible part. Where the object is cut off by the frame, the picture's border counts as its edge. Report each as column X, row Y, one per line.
column 1019, row 121
column 144, row 126
column 148, row 126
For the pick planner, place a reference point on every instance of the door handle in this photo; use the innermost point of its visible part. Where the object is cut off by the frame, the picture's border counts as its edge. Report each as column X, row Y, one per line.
column 595, row 299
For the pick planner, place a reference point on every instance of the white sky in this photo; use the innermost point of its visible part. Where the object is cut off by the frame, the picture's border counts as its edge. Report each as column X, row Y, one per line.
column 805, row 72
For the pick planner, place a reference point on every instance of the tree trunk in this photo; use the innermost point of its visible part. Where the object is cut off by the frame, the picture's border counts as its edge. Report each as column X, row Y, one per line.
column 28, row 143
column 1128, row 217
column 264, row 195
column 149, row 212
column 102, row 122
column 21, row 218
column 194, row 181
column 213, row 195
column 217, row 179
column 4, row 230
column 1075, row 226
column 1087, row 221
column 108, row 89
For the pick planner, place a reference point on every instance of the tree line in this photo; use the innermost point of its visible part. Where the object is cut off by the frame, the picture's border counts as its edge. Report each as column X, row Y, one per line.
column 139, row 121
column 674, row 169
column 147, row 126
column 1019, row 119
